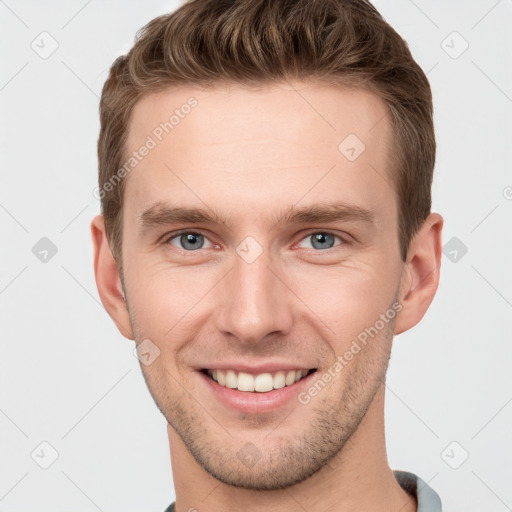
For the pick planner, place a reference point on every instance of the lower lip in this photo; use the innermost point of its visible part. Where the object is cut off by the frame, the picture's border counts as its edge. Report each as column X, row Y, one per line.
column 255, row 402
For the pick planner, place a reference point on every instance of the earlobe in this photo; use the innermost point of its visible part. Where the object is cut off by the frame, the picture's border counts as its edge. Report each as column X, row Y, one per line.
column 107, row 277
column 420, row 277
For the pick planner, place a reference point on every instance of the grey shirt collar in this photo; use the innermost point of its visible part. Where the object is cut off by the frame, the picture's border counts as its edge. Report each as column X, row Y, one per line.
column 428, row 499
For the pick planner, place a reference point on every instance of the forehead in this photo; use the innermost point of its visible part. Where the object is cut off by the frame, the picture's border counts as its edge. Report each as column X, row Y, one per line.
column 302, row 109
column 271, row 142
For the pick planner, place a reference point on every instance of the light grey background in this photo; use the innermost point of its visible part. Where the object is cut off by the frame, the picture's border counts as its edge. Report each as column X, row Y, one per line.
column 68, row 378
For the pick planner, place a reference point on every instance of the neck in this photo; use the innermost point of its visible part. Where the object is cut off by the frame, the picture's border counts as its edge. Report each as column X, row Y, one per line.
column 357, row 478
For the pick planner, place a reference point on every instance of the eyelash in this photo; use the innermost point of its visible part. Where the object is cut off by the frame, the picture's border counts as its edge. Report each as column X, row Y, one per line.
column 170, row 236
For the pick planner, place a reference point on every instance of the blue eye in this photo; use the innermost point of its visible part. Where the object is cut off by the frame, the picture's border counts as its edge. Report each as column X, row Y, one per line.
column 191, row 241
column 188, row 240
column 322, row 240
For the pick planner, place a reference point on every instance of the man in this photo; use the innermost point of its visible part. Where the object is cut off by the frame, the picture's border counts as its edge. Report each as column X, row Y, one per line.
column 265, row 169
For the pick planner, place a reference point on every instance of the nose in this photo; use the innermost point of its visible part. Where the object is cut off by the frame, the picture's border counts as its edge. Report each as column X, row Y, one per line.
column 255, row 302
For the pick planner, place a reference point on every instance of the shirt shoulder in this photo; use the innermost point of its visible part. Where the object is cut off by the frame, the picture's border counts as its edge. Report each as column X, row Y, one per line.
column 428, row 499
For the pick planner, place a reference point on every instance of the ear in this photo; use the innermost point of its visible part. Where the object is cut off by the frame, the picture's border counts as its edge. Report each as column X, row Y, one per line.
column 420, row 277
column 108, row 281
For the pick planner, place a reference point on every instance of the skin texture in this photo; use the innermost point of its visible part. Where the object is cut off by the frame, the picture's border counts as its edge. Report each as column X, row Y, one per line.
column 250, row 154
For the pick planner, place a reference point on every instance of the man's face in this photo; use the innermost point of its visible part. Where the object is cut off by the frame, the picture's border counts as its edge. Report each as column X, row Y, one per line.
column 258, row 290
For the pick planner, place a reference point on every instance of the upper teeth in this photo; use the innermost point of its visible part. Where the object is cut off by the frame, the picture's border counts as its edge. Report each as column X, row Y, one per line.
column 262, row 382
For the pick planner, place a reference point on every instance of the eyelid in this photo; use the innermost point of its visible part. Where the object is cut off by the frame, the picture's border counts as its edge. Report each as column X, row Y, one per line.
column 165, row 239
column 345, row 238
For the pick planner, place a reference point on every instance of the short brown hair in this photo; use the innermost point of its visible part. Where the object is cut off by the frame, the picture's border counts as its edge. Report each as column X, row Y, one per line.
column 205, row 42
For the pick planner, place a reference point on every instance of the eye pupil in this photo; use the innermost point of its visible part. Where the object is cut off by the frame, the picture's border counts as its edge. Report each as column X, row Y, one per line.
column 322, row 238
column 191, row 238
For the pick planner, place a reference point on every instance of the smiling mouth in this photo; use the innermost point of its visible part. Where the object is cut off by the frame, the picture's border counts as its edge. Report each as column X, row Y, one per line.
column 261, row 383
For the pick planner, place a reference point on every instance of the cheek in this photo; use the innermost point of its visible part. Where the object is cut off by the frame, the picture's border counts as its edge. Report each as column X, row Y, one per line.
column 165, row 300
column 340, row 301
column 345, row 300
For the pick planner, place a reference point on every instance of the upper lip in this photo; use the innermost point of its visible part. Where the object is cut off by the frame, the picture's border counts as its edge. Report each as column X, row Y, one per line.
column 256, row 369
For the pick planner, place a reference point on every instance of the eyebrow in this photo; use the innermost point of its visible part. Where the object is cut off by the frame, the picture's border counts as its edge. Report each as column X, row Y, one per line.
column 161, row 214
